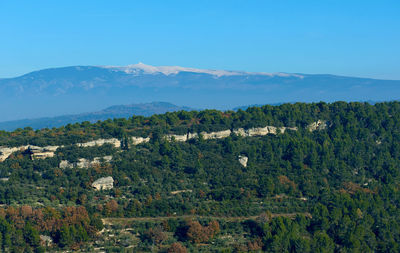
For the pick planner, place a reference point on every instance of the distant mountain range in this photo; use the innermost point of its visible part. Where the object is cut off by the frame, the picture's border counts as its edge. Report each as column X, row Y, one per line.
column 118, row 111
column 78, row 89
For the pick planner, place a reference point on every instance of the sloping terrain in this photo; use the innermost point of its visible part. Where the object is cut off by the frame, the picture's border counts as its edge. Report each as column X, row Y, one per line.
column 295, row 177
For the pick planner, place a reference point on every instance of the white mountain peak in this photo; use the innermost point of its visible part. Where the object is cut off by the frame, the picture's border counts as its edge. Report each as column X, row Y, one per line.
column 140, row 68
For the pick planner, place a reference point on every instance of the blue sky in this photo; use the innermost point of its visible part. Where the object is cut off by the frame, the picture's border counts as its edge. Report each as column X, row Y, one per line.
column 355, row 38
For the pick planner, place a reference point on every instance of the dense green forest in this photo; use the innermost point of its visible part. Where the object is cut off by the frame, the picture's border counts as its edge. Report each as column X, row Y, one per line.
column 334, row 189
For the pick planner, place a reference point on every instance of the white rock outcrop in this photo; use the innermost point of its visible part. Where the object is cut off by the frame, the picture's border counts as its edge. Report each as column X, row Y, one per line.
column 46, row 240
column 240, row 132
column 36, row 152
column 5, row 152
column 180, row 191
column 243, row 160
column 139, row 140
column 206, row 136
column 113, row 141
column 176, row 137
column 261, row 131
column 52, row 148
column 257, row 131
column 48, row 151
column 216, row 135
column 106, row 159
column 318, row 125
column 42, row 152
column 84, row 163
column 64, row 164
column 283, row 129
column 192, row 136
column 103, row 183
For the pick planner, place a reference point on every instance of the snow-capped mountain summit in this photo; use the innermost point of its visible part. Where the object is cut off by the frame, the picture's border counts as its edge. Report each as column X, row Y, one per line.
column 79, row 89
column 142, row 68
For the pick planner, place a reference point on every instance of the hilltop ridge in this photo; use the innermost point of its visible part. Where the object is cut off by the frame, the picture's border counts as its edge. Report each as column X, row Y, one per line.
column 116, row 111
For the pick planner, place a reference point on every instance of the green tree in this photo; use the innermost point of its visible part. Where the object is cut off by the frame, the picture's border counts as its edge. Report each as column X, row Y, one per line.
column 65, row 238
column 31, row 235
column 322, row 243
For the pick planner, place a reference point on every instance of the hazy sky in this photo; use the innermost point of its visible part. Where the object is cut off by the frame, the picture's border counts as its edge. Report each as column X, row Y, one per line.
column 356, row 38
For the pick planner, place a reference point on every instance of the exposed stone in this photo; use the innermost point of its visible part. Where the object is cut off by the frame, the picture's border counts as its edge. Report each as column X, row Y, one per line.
column 257, row 131
column 139, row 140
column 261, row 131
column 36, row 152
column 113, row 141
column 175, row 137
column 192, row 136
column 283, row 129
column 240, row 132
column 4, row 179
column 48, row 151
column 5, row 152
column 104, row 183
column 318, row 125
column 42, row 152
column 46, row 240
column 84, row 163
column 106, row 159
column 64, row 164
column 216, row 135
column 52, row 148
column 243, row 160
column 181, row 191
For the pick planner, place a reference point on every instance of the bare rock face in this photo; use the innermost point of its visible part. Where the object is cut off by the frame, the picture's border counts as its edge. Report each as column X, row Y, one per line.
column 240, row 132
column 175, row 137
column 84, row 163
column 5, row 152
column 46, row 240
column 64, row 164
column 106, row 159
column 104, row 183
column 261, row 131
column 113, row 141
column 180, row 191
column 243, row 160
column 42, row 152
column 49, row 151
column 216, row 135
column 318, row 125
column 283, row 129
column 256, row 131
column 36, row 152
column 192, row 136
column 139, row 140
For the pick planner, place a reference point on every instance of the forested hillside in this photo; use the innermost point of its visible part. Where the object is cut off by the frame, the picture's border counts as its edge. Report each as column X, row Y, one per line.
column 117, row 111
column 329, row 184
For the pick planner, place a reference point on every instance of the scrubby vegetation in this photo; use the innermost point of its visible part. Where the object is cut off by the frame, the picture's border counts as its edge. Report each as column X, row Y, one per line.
column 329, row 190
